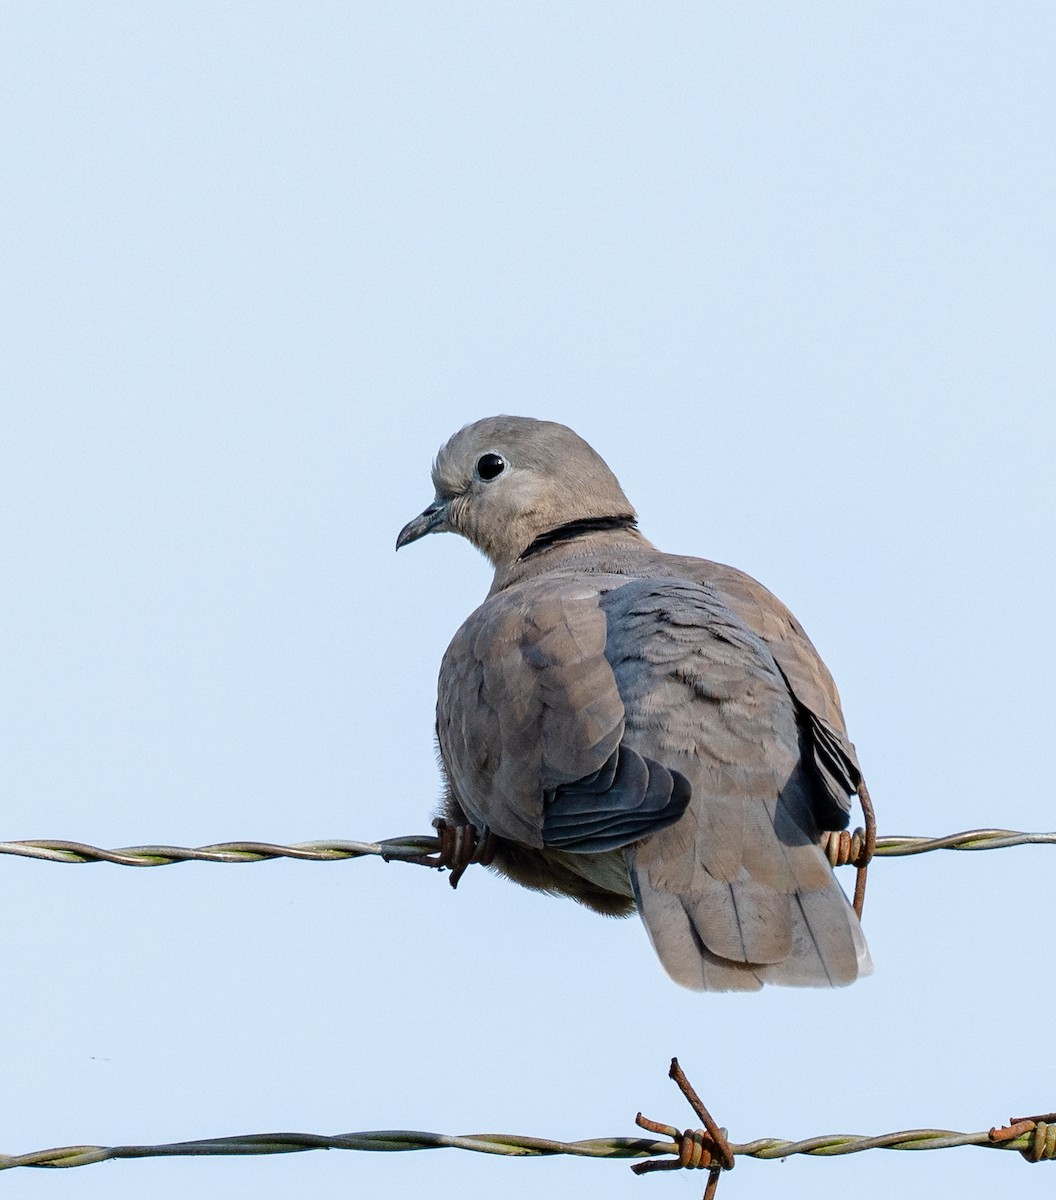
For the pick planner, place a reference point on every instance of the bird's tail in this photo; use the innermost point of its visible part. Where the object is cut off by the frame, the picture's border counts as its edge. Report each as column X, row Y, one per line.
column 722, row 936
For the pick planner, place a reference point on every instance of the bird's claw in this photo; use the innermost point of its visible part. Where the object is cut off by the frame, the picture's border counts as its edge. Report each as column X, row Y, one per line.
column 460, row 845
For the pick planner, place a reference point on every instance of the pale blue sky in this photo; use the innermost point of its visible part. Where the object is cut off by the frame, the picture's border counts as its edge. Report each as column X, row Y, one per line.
column 791, row 270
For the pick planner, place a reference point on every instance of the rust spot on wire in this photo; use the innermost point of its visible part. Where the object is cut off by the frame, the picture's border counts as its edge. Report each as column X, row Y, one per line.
column 841, row 847
column 1042, row 1144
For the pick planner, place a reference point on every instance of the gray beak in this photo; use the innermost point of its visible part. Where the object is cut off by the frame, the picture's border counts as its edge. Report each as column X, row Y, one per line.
column 433, row 520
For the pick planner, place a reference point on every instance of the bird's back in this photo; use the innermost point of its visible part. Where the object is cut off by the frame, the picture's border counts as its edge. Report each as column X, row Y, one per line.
column 678, row 659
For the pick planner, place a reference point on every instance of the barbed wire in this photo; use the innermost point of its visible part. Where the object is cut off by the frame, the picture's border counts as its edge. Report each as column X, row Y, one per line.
column 406, row 849
column 424, row 849
column 708, row 1148
column 1033, row 1137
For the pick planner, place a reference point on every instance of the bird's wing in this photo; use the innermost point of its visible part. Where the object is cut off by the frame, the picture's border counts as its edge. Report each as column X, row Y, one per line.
column 737, row 892
column 530, row 724
column 832, row 756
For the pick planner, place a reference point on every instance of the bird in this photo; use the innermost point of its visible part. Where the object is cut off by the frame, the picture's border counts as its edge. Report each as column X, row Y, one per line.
column 637, row 730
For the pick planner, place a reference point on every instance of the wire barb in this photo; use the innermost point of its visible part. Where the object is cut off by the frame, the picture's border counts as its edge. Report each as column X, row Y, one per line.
column 706, row 1148
column 1041, row 1146
column 854, row 849
column 459, row 846
column 842, row 847
column 865, row 855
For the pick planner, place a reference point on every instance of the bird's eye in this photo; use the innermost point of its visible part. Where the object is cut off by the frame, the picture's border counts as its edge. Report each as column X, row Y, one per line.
column 490, row 466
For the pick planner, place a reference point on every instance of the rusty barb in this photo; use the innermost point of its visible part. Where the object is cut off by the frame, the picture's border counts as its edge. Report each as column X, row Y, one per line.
column 460, row 845
column 698, row 1149
column 1042, row 1144
column 709, row 1148
column 854, row 849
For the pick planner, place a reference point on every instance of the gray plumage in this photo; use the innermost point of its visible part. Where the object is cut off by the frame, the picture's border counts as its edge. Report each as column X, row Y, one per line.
column 639, row 729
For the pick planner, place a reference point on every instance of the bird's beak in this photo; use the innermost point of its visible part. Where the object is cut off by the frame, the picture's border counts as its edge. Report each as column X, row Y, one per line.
column 432, row 520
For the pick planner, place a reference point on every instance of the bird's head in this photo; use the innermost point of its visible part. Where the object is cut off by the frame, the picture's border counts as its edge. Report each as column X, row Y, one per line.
column 504, row 481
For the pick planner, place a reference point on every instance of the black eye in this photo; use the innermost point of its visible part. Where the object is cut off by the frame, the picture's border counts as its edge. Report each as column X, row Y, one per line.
column 490, row 466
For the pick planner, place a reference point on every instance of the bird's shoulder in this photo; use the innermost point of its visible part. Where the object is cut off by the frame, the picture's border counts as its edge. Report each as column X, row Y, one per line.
column 527, row 702
column 529, row 609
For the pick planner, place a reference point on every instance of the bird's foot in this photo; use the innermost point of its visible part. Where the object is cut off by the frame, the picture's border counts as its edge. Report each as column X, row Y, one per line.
column 460, row 845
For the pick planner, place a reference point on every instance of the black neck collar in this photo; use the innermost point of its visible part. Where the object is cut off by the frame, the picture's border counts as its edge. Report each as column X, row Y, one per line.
column 576, row 529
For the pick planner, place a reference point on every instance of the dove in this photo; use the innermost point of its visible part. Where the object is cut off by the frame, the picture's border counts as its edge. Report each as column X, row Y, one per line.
column 637, row 730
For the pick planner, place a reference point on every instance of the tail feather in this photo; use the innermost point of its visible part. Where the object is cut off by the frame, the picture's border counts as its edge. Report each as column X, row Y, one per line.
column 678, row 946
column 744, row 921
column 828, row 946
column 736, row 937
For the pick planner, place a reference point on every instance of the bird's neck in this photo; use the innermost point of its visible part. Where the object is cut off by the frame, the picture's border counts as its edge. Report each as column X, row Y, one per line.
column 573, row 530
column 589, row 547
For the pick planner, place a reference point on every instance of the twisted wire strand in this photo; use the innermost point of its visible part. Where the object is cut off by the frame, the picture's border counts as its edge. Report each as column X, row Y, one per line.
column 514, row 1145
column 405, row 849
column 416, row 849
column 972, row 839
